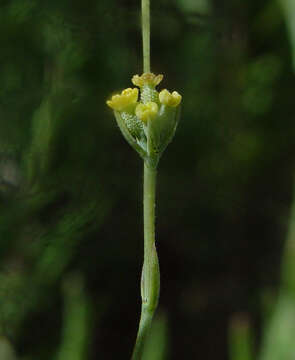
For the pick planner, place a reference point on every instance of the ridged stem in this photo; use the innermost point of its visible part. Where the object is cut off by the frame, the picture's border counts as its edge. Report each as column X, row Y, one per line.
column 145, row 18
column 150, row 279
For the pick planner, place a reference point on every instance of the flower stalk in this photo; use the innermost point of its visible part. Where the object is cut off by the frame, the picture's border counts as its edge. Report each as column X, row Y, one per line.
column 150, row 279
column 148, row 120
column 145, row 18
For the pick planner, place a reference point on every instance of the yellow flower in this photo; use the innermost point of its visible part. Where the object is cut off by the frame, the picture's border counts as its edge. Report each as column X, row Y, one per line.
column 147, row 79
column 120, row 101
column 146, row 111
column 166, row 98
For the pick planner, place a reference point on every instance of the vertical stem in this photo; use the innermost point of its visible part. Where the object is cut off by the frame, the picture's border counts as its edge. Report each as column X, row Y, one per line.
column 150, row 280
column 150, row 277
column 145, row 15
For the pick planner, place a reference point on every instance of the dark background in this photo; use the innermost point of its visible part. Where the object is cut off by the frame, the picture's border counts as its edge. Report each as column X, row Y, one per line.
column 71, row 187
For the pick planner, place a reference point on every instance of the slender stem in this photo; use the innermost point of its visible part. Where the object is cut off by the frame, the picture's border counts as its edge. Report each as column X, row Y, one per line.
column 150, row 277
column 145, row 14
column 150, row 280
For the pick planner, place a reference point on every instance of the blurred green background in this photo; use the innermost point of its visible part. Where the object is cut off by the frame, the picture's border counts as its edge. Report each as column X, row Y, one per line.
column 71, row 242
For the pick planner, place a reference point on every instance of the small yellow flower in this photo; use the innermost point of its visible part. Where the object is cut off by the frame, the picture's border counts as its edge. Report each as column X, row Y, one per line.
column 147, row 79
column 166, row 98
column 146, row 111
column 120, row 101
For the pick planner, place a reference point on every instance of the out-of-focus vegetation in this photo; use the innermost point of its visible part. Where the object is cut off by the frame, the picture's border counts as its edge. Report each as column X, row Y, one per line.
column 278, row 340
column 70, row 189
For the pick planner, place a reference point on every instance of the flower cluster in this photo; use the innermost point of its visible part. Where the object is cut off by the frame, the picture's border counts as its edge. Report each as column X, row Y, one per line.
column 147, row 119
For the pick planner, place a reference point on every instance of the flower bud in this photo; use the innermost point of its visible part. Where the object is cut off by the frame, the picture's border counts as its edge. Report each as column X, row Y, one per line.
column 147, row 79
column 122, row 101
column 147, row 111
column 168, row 99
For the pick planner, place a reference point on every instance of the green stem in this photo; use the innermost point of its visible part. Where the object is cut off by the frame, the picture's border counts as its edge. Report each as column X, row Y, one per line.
column 150, row 277
column 145, row 14
column 150, row 280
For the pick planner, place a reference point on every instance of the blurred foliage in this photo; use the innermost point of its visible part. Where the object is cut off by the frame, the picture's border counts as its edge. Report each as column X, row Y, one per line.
column 289, row 11
column 77, row 325
column 280, row 327
column 240, row 340
column 70, row 187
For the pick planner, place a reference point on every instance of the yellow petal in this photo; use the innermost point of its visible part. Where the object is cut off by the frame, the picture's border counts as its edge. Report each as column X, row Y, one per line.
column 168, row 99
column 120, row 101
column 146, row 111
column 147, row 79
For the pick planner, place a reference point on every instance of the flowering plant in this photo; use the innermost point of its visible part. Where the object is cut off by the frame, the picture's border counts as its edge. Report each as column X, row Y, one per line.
column 147, row 119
